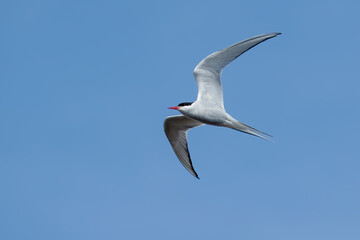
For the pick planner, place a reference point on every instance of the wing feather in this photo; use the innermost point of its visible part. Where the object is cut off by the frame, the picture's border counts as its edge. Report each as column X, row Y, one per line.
column 207, row 73
column 176, row 128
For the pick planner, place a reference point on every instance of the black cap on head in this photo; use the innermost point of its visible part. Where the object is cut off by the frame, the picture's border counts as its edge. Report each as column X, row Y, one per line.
column 185, row 104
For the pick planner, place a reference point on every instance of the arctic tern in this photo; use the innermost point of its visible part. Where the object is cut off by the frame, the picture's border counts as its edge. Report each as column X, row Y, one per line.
column 209, row 105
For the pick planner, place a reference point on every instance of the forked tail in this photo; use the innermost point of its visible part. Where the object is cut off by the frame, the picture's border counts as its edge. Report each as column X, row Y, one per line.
column 250, row 130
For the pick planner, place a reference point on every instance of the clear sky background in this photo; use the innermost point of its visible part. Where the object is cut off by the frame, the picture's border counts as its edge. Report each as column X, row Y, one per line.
column 84, row 90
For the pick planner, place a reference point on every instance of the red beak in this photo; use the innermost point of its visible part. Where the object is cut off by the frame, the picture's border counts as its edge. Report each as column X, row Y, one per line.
column 176, row 108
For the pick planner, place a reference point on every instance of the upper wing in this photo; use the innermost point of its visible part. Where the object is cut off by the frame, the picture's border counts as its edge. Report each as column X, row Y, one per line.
column 207, row 72
column 176, row 128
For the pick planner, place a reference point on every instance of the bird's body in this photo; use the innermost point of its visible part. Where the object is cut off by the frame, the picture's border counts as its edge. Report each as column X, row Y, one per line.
column 208, row 114
column 209, row 106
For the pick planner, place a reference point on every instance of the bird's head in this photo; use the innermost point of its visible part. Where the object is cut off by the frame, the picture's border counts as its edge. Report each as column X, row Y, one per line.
column 182, row 106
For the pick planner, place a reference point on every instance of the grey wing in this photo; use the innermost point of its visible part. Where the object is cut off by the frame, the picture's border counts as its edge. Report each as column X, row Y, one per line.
column 207, row 72
column 176, row 128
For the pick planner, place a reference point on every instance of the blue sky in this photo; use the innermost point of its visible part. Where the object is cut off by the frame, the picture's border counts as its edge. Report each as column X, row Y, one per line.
column 84, row 90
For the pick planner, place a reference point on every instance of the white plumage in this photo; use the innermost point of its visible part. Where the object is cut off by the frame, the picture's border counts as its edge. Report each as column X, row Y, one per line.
column 209, row 105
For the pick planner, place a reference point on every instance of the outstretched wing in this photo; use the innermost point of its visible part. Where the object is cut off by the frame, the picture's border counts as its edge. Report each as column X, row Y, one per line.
column 207, row 72
column 176, row 128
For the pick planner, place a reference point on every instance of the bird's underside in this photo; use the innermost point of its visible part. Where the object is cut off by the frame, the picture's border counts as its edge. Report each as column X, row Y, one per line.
column 209, row 106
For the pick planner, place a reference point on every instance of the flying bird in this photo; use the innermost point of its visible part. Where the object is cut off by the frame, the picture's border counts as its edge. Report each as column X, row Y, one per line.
column 209, row 105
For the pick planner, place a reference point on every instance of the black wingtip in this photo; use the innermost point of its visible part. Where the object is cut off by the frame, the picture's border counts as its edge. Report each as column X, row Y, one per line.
column 275, row 34
column 195, row 174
